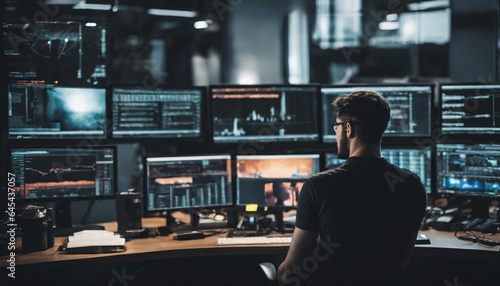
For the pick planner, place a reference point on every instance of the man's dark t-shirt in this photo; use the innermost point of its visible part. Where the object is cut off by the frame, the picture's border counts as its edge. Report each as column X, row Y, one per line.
column 372, row 209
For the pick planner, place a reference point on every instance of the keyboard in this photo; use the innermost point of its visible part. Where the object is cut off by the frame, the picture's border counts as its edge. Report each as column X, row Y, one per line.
column 235, row 232
column 254, row 240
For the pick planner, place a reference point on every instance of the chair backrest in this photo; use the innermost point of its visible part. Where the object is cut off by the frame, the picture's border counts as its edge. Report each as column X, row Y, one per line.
column 270, row 272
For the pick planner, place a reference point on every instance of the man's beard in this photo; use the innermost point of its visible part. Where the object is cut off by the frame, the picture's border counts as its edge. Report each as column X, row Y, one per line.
column 343, row 146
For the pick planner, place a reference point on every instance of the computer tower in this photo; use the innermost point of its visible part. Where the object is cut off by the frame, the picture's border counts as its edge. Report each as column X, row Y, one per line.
column 129, row 211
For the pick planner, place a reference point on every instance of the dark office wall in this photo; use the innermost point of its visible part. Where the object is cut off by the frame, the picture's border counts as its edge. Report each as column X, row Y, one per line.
column 255, row 42
column 473, row 41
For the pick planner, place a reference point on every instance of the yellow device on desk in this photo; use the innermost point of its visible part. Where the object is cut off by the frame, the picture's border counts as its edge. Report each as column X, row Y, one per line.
column 251, row 207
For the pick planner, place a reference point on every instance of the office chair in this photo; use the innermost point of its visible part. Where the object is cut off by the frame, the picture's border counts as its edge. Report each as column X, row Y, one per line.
column 270, row 272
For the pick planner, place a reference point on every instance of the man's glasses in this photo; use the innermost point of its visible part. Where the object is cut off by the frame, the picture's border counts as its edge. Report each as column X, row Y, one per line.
column 337, row 124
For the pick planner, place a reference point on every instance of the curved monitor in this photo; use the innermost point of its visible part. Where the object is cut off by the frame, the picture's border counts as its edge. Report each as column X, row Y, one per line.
column 273, row 180
column 188, row 182
column 410, row 105
column 51, row 173
column 468, row 170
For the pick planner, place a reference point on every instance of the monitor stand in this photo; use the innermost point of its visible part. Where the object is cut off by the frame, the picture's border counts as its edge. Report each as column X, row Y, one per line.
column 256, row 224
column 480, row 208
column 195, row 219
column 63, row 219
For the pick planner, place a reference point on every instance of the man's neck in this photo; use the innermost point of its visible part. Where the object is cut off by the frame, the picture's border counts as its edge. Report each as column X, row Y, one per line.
column 365, row 150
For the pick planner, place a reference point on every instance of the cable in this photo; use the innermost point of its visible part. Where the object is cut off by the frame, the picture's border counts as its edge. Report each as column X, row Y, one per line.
column 470, row 236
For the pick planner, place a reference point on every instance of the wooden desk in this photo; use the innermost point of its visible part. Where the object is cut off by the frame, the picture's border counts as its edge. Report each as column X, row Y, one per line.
column 443, row 244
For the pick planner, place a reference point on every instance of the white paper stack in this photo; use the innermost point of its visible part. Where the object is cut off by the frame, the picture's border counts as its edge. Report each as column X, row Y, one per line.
column 87, row 238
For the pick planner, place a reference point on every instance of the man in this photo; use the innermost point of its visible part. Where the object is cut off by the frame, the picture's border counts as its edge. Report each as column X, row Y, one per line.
column 356, row 224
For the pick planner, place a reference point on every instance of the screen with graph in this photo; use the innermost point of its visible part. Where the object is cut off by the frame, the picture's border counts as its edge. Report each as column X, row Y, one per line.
column 51, row 173
column 264, row 113
column 469, row 170
column 188, row 182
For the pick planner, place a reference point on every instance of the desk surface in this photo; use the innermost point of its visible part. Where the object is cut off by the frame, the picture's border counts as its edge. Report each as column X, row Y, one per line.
column 165, row 247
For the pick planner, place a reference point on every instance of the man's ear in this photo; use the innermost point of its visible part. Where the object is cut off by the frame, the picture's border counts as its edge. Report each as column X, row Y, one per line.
column 350, row 130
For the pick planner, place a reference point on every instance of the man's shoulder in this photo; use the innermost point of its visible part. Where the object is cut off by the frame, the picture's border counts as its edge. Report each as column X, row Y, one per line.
column 328, row 176
column 404, row 173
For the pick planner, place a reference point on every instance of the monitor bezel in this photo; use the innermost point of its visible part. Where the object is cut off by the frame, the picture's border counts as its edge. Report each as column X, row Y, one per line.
column 203, row 116
column 61, row 140
column 145, row 183
column 390, row 136
column 87, row 147
column 264, row 207
column 264, row 141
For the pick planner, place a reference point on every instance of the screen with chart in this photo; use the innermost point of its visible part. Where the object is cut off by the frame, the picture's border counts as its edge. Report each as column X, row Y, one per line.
column 416, row 160
column 158, row 113
column 264, row 113
column 472, row 109
column 50, row 111
column 470, row 170
column 52, row 173
column 410, row 109
column 273, row 180
column 188, row 182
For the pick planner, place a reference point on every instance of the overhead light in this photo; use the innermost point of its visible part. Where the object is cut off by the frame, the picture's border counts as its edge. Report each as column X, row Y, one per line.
column 388, row 25
column 420, row 6
column 91, row 24
column 391, row 17
column 172, row 13
column 201, row 24
column 90, row 6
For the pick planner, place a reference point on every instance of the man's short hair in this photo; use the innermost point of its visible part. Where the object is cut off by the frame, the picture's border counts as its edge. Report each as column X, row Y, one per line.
column 367, row 108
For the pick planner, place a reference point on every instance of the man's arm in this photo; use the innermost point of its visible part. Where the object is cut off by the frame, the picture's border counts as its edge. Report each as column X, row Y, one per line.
column 302, row 246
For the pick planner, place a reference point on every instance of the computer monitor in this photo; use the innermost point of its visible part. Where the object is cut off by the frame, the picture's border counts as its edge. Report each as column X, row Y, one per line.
column 417, row 160
column 273, row 180
column 183, row 182
column 63, row 175
column 158, row 113
column 468, row 170
column 470, row 109
column 264, row 113
column 51, row 111
column 48, row 173
column 410, row 105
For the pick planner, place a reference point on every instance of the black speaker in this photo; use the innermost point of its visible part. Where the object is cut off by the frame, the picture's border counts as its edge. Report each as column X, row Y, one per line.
column 129, row 211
